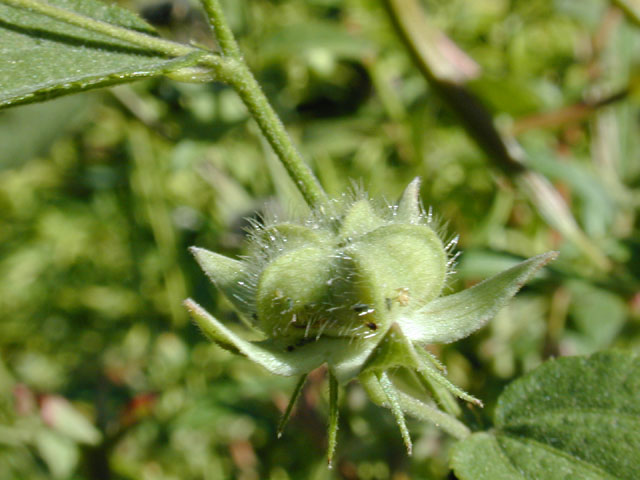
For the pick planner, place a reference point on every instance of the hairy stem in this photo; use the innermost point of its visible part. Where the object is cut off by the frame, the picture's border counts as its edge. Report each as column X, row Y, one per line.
column 240, row 77
column 630, row 9
column 221, row 29
column 414, row 407
column 333, row 418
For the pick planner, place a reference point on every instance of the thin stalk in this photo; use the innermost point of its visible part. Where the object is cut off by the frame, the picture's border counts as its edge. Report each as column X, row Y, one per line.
column 292, row 402
column 432, row 376
column 272, row 128
column 416, row 408
column 221, row 29
column 430, row 373
column 242, row 80
column 333, row 418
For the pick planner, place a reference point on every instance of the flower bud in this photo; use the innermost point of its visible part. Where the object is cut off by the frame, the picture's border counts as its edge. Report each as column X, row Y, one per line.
column 349, row 278
column 358, row 289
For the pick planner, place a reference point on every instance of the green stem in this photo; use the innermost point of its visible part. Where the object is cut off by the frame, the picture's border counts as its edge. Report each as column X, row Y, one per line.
column 240, row 77
column 272, row 128
column 333, row 418
column 223, row 33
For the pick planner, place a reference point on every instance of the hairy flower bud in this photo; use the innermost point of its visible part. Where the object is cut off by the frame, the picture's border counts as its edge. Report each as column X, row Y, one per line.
column 358, row 288
column 347, row 278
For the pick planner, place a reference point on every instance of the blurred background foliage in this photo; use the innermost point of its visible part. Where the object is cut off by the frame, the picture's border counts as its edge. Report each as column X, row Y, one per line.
column 101, row 373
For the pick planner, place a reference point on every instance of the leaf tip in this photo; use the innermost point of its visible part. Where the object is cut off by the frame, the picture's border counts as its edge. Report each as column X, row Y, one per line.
column 549, row 256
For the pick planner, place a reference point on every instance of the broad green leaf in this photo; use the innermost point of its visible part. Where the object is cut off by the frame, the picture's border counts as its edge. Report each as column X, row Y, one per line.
column 574, row 417
column 42, row 58
column 447, row 319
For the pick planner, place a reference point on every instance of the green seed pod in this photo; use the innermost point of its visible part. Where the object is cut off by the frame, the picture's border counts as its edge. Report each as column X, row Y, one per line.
column 359, row 289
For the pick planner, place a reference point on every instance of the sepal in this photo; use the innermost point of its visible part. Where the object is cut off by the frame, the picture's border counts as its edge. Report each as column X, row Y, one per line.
column 450, row 318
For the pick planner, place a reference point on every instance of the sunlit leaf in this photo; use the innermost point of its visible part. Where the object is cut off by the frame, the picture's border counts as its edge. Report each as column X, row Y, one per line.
column 42, row 58
column 575, row 417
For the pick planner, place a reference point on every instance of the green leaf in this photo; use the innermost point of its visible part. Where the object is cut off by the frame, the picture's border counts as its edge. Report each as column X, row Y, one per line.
column 447, row 319
column 574, row 417
column 598, row 316
column 42, row 58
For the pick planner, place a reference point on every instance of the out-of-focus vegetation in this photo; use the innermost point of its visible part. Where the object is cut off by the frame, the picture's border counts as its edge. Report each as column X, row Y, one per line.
column 101, row 373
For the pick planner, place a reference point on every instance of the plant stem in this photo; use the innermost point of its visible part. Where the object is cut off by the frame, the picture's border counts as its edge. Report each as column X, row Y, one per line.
column 221, row 29
column 238, row 75
column 333, row 418
column 414, row 407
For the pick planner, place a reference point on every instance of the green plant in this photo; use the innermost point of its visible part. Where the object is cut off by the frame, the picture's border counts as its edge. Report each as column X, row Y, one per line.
column 351, row 284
